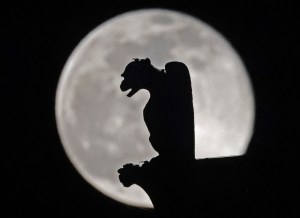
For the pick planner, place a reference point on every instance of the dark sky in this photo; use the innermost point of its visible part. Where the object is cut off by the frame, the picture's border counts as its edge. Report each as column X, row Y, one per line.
column 36, row 41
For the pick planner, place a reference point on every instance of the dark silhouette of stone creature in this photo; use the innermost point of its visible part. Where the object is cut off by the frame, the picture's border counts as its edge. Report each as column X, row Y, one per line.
column 169, row 114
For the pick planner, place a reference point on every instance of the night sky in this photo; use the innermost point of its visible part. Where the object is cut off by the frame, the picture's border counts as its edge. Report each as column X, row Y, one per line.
column 36, row 41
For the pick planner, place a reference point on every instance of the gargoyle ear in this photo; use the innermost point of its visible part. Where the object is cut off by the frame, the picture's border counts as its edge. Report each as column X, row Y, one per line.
column 147, row 60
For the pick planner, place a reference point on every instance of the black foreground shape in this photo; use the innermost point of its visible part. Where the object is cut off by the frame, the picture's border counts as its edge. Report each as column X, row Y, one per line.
column 180, row 186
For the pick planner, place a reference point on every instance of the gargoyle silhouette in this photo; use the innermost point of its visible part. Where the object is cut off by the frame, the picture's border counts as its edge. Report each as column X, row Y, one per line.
column 169, row 114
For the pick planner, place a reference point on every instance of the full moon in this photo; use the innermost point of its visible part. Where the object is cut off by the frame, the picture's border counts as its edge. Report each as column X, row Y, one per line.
column 101, row 129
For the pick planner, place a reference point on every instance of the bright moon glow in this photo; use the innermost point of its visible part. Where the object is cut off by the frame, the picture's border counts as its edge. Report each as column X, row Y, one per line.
column 101, row 129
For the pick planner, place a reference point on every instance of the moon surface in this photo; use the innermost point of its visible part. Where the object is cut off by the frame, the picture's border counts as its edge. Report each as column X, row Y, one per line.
column 101, row 129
